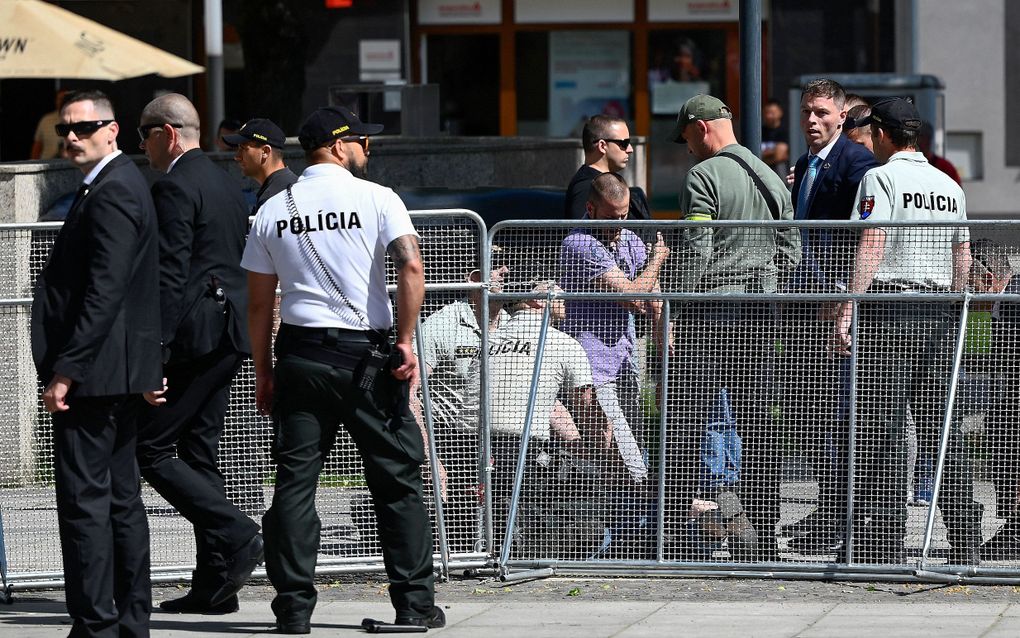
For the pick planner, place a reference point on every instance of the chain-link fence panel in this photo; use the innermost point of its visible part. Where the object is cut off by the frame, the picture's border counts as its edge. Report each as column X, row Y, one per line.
column 452, row 244
column 819, row 404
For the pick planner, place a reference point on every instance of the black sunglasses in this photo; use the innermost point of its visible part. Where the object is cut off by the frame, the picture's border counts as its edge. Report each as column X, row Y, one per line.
column 624, row 144
column 87, row 127
column 145, row 129
column 359, row 139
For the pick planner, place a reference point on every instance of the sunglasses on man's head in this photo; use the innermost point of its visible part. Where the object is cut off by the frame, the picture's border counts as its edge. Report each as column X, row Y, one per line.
column 624, row 144
column 145, row 129
column 87, row 127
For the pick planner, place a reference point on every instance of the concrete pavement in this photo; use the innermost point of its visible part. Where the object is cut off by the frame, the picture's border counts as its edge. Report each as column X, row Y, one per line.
column 593, row 609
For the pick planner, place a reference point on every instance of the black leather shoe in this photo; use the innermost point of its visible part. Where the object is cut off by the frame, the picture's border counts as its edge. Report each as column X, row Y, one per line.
column 810, row 523
column 433, row 620
column 1005, row 545
column 192, row 603
column 817, row 542
column 240, row 565
column 293, row 626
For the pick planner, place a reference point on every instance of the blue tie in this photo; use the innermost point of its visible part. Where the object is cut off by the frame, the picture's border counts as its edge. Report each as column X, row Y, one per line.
column 806, row 185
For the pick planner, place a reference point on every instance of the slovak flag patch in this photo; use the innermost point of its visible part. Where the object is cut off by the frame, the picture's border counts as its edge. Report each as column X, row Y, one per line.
column 867, row 206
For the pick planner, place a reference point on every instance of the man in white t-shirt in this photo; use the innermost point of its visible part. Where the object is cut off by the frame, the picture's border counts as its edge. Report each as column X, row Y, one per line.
column 325, row 242
column 905, row 347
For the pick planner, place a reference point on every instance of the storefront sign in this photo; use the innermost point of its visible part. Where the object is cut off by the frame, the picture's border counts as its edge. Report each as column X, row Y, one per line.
column 460, row 11
column 538, row 11
column 589, row 74
column 693, row 10
column 379, row 60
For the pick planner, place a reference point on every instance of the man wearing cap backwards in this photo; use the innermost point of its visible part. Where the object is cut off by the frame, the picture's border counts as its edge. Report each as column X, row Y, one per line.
column 906, row 347
column 203, row 298
column 325, row 242
column 260, row 155
column 728, row 344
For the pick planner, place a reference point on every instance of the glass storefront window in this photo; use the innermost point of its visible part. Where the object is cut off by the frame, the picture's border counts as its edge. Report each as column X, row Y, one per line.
column 565, row 77
column 681, row 64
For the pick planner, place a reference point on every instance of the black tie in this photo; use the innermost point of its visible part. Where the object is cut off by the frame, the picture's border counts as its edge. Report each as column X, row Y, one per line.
column 80, row 195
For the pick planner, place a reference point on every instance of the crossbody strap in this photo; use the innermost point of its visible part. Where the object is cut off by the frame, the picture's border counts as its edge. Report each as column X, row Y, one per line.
column 306, row 241
column 769, row 199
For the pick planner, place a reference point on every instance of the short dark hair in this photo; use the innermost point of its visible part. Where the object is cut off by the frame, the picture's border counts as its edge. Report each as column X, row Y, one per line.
column 900, row 138
column 597, row 128
column 773, row 101
column 858, row 112
column 95, row 96
column 824, row 87
column 607, row 187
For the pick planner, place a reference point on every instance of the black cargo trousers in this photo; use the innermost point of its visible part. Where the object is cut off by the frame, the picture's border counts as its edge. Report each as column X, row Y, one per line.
column 316, row 391
column 905, row 357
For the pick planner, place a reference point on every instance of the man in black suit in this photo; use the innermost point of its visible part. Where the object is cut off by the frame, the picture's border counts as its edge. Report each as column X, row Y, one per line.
column 824, row 187
column 95, row 341
column 203, row 221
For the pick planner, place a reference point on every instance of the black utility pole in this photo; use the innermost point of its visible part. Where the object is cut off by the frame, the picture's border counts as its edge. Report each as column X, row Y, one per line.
column 750, row 74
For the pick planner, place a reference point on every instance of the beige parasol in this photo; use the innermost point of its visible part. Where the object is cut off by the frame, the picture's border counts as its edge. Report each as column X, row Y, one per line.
column 41, row 40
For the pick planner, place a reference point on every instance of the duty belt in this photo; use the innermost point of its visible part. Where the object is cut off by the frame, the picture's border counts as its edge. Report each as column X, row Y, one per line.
column 340, row 347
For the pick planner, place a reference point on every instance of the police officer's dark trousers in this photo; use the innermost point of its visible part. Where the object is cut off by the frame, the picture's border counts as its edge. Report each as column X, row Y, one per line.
column 905, row 359
column 104, row 534
column 312, row 399
column 190, row 425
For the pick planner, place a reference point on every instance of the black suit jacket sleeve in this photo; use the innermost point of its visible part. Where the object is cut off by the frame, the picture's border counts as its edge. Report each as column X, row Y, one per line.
column 111, row 221
column 175, row 211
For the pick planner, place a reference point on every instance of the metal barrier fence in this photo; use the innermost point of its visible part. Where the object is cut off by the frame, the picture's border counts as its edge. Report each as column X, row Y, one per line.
column 763, row 442
column 452, row 244
column 729, row 453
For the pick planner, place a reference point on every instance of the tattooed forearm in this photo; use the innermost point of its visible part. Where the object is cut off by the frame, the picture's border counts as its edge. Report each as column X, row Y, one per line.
column 404, row 250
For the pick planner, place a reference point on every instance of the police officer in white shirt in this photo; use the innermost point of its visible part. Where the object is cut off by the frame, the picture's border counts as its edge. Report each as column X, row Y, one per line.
column 325, row 241
column 905, row 349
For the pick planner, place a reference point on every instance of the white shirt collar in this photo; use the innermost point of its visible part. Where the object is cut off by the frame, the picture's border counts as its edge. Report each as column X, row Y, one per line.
column 174, row 163
column 325, row 168
column 824, row 153
column 94, row 173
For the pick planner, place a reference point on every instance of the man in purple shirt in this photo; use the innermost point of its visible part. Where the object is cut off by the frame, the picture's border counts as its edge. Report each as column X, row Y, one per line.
column 612, row 259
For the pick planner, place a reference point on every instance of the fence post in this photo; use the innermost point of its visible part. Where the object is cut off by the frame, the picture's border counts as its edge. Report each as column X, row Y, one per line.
column 504, row 554
column 946, row 425
column 851, row 447
column 437, row 495
column 660, row 534
column 484, row 401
